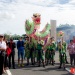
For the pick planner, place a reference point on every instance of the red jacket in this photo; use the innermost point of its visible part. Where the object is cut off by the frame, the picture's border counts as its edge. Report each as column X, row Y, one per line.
column 8, row 51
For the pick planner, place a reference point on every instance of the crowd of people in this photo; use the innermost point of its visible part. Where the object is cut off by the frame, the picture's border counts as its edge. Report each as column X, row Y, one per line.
column 37, row 50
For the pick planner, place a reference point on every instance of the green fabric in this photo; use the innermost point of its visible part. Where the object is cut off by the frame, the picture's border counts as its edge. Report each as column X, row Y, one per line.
column 35, row 48
column 42, row 57
column 44, row 33
column 31, row 25
column 64, row 44
column 28, row 46
column 36, row 53
column 39, row 50
column 63, row 58
column 33, row 45
column 27, row 51
column 62, row 51
column 47, row 54
column 52, row 55
column 51, row 47
column 39, row 47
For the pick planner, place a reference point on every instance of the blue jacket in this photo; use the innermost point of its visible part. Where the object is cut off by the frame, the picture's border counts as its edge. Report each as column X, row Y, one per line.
column 20, row 45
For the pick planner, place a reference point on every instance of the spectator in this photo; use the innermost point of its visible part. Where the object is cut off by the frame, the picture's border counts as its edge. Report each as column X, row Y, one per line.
column 20, row 47
column 8, row 52
column 2, row 53
column 6, row 65
column 12, row 55
column 71, row 49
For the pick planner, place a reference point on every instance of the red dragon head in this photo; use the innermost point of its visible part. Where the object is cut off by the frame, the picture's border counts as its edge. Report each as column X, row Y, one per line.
column 36, row 18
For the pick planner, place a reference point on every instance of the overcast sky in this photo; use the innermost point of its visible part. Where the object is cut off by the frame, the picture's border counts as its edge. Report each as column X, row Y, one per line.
column 13, row 13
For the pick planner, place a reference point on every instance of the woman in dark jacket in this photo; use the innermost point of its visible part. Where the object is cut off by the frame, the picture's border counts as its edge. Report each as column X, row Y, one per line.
column 12, row 55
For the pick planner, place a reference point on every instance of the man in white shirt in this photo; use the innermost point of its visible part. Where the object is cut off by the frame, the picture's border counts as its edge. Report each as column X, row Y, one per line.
column 2, row 49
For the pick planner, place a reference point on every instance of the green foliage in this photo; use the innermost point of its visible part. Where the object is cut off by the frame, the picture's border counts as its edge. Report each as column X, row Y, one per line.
column 7, row 36
column 14, row 37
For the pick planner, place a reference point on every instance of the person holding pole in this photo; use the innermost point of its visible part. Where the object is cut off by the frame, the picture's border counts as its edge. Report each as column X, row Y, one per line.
column 41, row 55
column 62, row 53
column 65, row 47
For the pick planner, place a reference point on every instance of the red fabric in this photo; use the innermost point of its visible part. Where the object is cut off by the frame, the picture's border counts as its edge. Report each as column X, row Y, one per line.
column 74, row 41
column 8, row 50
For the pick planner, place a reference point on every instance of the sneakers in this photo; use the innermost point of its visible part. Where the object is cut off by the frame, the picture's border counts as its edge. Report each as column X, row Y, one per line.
column 19, row 65
column 22, row 65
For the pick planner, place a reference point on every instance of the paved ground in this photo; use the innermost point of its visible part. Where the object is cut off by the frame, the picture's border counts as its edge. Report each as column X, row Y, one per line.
column 33, row 70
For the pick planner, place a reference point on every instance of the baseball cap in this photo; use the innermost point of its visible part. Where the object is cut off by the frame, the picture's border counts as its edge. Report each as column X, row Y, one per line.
column 1, row 35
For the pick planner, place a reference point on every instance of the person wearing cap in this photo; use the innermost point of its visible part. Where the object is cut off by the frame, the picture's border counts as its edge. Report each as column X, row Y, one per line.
column 50, row 47
column 41, row 55
column 2, row 53
column 52, row 50
column 11, row 45
column 54, row 42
